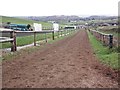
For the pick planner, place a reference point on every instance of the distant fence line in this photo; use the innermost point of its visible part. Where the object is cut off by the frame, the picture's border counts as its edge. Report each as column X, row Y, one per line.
column 106, row 39
column 10, row 36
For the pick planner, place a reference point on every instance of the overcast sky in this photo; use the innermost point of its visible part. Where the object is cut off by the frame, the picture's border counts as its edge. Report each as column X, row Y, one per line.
column 58, row 7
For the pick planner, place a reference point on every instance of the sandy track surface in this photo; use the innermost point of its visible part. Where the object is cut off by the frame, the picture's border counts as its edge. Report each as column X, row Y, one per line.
column 68, row 63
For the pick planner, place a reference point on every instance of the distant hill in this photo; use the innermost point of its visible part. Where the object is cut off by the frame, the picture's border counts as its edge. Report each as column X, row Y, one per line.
column 103, row 17
column 52, row 18
column 68, row 18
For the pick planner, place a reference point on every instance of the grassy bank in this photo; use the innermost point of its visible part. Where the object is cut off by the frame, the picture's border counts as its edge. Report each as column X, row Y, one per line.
column 105, row 55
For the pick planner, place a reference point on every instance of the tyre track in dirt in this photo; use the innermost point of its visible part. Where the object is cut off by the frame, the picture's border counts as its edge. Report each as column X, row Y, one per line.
column 68, row 63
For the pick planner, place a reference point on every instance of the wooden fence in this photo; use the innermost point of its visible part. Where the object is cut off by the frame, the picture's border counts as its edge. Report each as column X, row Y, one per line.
column 10, row 36
column 106, row 39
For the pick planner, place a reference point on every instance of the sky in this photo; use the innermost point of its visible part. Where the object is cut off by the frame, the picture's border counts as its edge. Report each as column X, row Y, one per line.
column 58, row 7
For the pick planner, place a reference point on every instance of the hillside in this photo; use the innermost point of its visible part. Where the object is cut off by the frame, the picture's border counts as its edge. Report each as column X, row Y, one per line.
column 23, row 21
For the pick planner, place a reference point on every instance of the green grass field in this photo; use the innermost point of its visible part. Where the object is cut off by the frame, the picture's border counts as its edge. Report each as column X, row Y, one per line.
column 105, row 55
column 29, row 50
column 23, row 21
column 25, row 40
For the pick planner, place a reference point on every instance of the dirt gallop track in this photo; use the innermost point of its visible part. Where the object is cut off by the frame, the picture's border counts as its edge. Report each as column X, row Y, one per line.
column 68, row 63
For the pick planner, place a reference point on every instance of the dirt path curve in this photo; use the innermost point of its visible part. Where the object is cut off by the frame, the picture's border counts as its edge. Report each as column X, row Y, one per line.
column 68, row 63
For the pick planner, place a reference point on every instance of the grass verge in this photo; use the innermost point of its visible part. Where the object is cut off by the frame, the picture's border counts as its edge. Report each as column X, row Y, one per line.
column 105, row 55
